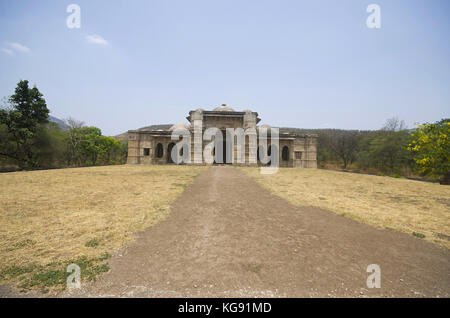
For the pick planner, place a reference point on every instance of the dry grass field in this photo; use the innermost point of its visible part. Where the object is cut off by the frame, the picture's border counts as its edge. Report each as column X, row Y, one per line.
column 418, row 208
column 49, row 219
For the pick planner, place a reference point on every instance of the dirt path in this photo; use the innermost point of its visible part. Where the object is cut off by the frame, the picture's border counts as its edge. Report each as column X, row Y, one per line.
column 226, row 236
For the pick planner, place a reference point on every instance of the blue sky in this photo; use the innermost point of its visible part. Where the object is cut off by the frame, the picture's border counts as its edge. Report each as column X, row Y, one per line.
column 306, row 64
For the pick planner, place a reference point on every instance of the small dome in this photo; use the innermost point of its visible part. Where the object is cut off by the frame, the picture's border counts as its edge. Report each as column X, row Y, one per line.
column 200, row 110
column 247, row 111
column 179, row 126
column 265, row 126
column 223, row 108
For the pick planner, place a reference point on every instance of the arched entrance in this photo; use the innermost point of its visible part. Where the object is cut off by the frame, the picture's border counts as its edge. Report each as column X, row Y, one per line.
column 222, row 143
column 285, row 154
column 159, row 150
column 169, row 152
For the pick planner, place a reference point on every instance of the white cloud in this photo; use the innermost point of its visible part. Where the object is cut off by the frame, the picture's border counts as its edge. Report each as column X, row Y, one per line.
column 19, row 47
column 96, row 39
column 7, row 51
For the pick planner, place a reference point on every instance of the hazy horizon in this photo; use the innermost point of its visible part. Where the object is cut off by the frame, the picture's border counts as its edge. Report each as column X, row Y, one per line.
column 299, row 64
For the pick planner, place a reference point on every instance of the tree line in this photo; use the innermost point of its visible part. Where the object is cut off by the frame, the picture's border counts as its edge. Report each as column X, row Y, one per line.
column 28, row 140
column 393, row 150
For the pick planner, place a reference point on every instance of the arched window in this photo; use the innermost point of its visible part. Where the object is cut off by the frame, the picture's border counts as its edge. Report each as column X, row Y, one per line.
column 285, row 153
column 262, row 149
column 159, row 151
column 272, row 151
column 169, row 153
column 269, row 154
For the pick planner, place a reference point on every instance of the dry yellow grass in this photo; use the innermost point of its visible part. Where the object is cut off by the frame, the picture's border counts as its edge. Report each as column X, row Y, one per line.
column 397, row 204
column 49, row 216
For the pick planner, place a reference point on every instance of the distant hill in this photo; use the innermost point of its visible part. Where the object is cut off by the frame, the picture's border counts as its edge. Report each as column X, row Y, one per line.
column 121, row 137
column 61, row 124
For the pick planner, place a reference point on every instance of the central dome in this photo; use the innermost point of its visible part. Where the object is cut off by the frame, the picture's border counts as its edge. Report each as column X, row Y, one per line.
column 223, row 108
column 179, row 126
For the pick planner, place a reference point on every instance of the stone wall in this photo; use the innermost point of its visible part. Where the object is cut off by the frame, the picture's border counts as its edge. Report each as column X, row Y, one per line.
column 143, row 145
column 305, row 152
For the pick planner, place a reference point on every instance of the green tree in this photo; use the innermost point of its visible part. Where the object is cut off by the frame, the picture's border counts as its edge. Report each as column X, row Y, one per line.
column 49, row 146
column 74, row 138
column 388, row 152
column 26, row 111
column 385, row 149
column 90, row 146
column 111, row 151
column 86, row 146
column 431, row 148
column 123, row 151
